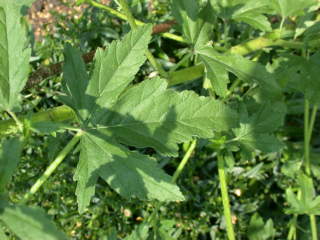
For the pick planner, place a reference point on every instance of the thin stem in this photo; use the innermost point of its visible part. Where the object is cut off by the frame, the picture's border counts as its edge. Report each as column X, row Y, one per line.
column 234, row 85
column 139, row 23
column 281, row 26
column 16, row 120
column 314, row 230
column 308, row 128
column 133, row 25
column 53, row 166
column 312, row 121
column 306, row 137
column 182, row 61
column 292, row 235
column 184, row 161
column 127, row 12
column 225, row 197
column 112, row 11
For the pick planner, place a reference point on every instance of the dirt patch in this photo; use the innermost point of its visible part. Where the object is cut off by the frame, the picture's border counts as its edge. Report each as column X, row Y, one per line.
column 42, row 14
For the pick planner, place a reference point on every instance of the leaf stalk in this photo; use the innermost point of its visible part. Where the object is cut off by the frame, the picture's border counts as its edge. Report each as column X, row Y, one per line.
column 53, row 166
column 184, row 161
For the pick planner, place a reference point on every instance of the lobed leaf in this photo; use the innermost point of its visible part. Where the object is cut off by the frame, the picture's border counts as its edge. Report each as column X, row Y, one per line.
column 258, row 230
column 148, row 115
column 196, row 22
column 250, row 12
column 14, row 54
column 302, row 75
column 131, row 174
column 256, row 131
column 116, row 66
column 244, row 69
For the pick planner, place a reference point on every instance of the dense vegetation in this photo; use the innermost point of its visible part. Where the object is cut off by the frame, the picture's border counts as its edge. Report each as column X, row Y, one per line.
column 197, row 121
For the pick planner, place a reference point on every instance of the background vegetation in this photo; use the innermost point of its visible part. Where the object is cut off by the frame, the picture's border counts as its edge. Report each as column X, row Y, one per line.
column 257, row 181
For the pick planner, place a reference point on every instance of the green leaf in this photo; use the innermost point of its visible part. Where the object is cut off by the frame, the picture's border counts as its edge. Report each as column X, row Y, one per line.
column 48, row 127
column 251, row 12
column 307, row 189
column 308, row 203
column 259, row 21
column 255, row 131
column 177, row 117
column 288, row 8
column 3, row 236
column 139, row 233
column 116, row 66
column 167, row 230
column 217, row 74
column 29, row 223
column 112, row 234
column 302, row 75
column 129, row 173
column 14, row 55
column 10, row 151
column 258, row 230
column 196, row 22
column 75, row 82
column 243, row 68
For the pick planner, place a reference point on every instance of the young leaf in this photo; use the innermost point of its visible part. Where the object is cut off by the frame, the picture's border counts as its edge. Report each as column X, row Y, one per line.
column 10, row 151
column 255, row 131
column 196, row 22
column 135, row 120
column 129, row 173
column 116, row 66
column 308, row 203
column 241, row 67
column 29, row 223
column 258, row 230
column 14, row 55
column 139, row 233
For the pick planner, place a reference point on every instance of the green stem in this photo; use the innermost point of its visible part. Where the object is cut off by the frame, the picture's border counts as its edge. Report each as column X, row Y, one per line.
column 19, row 124
column 293, row 229
column 312, row 121
column 225, row 197
column 56, row 114
column 314, row 230
column 53, row 166
column 111, row 11
column 181, row 62
column 133, row 25
column 184, row 161
column 139, row 23
column 308, row 128
column 306, row 137
column 234, row 85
